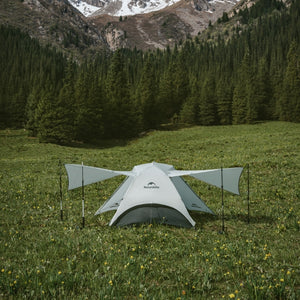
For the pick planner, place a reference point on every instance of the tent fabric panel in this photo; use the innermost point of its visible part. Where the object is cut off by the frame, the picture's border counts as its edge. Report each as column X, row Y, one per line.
column 90, row 175
column 231, row 177
column 114, row 201
column 152, row 214
column 163, row 167
column 189, row 197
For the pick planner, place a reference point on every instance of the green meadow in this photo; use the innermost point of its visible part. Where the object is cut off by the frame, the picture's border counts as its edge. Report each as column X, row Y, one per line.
column 42, row 256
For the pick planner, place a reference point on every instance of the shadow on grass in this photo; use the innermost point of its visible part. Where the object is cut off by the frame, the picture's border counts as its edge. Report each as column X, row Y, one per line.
column 103, row 144
column 258, row 219
column 202, row 218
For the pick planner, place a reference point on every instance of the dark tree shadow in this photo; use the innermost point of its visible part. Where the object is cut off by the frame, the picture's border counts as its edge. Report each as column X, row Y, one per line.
column 202, row 219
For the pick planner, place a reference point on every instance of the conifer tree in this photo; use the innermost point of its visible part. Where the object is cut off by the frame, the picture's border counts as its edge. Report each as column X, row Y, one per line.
column 121, row 119
column 17, row 108
column 189, row 110
column 89, row 106
column 224, row 102
column 146, row 96
column 55, row 114
column 30, row 111
column 66, row 104
column 207, row 103
column 290, row 100
column 167, row 95
column 241, row 93
column 263, row 91
column 45, row 117
column 181, row 82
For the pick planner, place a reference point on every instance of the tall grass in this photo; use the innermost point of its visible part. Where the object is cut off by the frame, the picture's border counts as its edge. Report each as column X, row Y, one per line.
column 44, row 257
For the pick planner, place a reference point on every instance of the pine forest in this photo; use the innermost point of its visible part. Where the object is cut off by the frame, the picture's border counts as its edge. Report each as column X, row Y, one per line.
column 252, row 74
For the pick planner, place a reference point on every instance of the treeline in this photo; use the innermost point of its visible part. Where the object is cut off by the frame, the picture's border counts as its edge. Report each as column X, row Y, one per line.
column 253, row 76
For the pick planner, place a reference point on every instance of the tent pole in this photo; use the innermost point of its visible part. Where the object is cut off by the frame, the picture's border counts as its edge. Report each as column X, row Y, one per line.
column 223, row 226
column 82, row 190
column 248, row 194
column 60, row 190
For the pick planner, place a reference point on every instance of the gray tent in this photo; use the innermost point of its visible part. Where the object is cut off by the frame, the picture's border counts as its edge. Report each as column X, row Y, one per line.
column 154, row 192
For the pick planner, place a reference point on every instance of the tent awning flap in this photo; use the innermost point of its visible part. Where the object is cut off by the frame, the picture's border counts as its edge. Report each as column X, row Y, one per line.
column 231, row 177
column 90, row 175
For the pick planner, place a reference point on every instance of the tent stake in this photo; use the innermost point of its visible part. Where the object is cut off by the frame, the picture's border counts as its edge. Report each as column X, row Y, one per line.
column 82, row 189
column 248, row 194
column 60, row 190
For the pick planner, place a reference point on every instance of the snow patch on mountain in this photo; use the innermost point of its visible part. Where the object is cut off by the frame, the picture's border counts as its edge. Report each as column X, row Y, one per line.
column 85, row 8
column 132, row 7
column 122, row 7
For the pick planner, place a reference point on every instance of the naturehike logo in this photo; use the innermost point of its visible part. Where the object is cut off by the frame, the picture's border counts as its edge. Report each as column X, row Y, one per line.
column 151, row 185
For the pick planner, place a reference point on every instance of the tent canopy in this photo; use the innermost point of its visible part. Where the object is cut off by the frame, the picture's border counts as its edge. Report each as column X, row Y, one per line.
column 154, row 192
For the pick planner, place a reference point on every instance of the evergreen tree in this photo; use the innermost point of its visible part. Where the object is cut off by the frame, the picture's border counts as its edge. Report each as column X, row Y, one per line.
column 46, row 117
column 241, row 93
column 263, row 91
column 55, row 115
column 224, row 102
column 146, row 96
column 189, row 110
column 181, row 82
column 166, row 95
column 290, row 100
column 31, row 106
column 121, row 119
column 207, row 103
column 81, row 112
column 17, row 108
column 89, row 105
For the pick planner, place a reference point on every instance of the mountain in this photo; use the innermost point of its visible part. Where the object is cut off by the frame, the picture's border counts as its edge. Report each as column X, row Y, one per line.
column 120, row 8
column 53, row 22
column 242, row 69
column 87, row 7
column 85, row 27
column 162, row 28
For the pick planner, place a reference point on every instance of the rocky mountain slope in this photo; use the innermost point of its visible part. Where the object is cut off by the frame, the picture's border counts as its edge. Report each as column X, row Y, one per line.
column 161, row 28
column 120, row 7
column 59, row 23
column 53, row 22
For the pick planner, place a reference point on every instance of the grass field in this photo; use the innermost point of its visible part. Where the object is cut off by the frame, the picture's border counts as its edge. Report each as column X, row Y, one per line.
column 44, row 257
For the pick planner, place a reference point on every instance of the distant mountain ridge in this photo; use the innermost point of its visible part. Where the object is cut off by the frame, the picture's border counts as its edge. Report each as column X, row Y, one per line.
column 162, row 28
column 53, row 22
column 120, row 7
column 108, row 26
column 134, row 7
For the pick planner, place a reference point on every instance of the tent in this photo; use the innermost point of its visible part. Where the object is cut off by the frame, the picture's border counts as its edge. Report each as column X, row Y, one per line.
column 154, row 192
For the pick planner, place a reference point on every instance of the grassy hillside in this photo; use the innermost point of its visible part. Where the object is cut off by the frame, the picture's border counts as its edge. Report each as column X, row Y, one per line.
column 44, row 257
